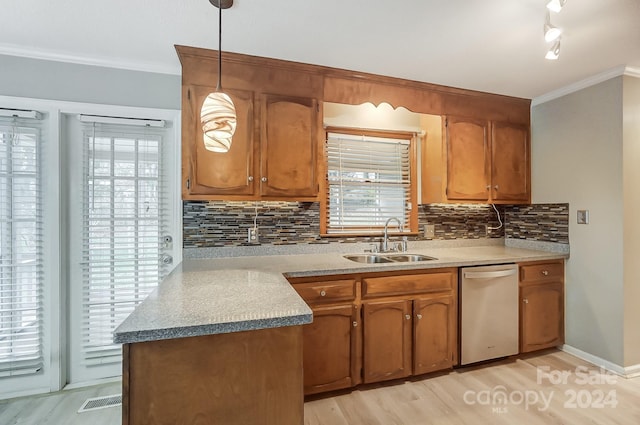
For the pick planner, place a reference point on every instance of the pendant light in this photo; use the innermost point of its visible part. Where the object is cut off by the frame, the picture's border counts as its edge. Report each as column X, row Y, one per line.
column 218, row 114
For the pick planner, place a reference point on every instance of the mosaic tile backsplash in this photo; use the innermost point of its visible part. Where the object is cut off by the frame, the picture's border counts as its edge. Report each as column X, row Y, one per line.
column 541, row 222
column 225, row 223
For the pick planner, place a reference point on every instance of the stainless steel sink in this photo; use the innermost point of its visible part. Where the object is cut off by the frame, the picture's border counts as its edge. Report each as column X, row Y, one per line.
column 409, row 258
column 367, row 258
column 391, row 258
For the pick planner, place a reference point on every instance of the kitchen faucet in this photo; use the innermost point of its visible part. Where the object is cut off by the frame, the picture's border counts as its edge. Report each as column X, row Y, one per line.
column 385, row 241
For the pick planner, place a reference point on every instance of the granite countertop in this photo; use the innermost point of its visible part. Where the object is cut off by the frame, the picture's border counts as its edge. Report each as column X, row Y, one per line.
column 223, row 295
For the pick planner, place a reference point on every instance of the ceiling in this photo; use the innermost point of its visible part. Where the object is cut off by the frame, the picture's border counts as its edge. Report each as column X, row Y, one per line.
column 488, row 45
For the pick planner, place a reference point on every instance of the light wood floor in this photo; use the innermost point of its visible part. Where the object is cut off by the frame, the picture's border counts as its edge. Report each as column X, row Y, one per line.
column 442, row 399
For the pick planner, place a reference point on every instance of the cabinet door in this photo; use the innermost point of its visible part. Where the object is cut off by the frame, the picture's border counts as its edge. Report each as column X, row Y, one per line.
column 387, row 340
column 434, row 334
column 541, row 316
column 468, row 159
column 510, row 163
column 215, row 173
column 330, row 349
column 289, row 141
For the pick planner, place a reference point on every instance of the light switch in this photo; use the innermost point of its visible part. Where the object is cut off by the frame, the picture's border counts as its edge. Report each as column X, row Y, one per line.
column 583, row 216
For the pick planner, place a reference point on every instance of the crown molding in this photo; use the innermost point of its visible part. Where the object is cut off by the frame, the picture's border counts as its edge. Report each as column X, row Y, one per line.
column 632, row 72
column 582, row 84
column 48, row 55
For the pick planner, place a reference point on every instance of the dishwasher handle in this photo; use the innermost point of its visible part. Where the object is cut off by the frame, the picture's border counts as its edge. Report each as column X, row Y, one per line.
column 489, row 275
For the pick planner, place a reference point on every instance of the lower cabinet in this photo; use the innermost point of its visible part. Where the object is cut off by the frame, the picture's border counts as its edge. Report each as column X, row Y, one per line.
column 330, row 348
column 407, row 337
column 377, row 327
column 541, row 305
column 387, row 338
column 434, row 330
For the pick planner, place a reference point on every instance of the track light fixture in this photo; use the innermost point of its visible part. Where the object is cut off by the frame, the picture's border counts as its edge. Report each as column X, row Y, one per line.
column 551, row 32
column 218, row 113
column 554, row 51
column 555, row 5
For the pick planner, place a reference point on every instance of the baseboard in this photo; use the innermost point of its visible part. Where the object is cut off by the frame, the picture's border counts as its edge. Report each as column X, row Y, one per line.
column 632, row 371
column 91, row 383
column 625, row 372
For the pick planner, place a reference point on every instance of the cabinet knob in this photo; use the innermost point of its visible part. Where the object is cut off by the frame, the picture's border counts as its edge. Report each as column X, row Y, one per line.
column 323, row 293
column 355, row 324
column 250, row 178
column 488, row 187
column 264, row 179
column 407, row 316
column 419, row 316
column 545, row 272
column 495, row 187
column 526, row 301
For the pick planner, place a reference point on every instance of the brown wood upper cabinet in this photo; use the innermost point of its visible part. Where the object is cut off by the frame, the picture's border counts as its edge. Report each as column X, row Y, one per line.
column 280, row 163
column 207, row 173
column 486, row 161
column 289, row 141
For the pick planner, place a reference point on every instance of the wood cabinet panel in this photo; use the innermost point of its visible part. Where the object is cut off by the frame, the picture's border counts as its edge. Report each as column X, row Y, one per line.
column 289, row 140
column 408, row 284
column 325, row 292
column 468, row 159
column 387, row 338
column 238, row 378
column 542, row 316
column 330, row 349
column 542, row 272
column 434, row 332
column 510, row 169
column 215, row 173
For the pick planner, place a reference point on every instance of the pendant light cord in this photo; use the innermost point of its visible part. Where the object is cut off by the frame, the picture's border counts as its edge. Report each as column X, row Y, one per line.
column 219, row 86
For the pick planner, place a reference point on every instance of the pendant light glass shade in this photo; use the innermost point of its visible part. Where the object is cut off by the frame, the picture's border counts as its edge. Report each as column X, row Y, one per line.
column 218, row 118
column 218, row 113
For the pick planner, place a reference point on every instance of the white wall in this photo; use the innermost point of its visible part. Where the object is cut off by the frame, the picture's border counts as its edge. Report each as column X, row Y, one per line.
column 577, row 158
column 631, row 183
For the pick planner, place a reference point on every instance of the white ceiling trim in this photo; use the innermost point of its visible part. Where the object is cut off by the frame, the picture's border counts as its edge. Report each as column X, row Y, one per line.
column 632, row 72
column 582, row 84
column 34, row 53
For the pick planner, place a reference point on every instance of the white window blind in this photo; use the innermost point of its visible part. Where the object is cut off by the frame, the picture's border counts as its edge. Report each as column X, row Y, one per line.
column 21, row 244
column 368, row 182
column 125, row 204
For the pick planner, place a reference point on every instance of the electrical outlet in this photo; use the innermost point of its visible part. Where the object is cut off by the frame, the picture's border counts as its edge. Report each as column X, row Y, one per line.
column 252, row 235
column 429, row 231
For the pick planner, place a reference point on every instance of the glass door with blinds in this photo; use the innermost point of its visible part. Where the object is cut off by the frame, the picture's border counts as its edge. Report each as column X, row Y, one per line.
column 120, row 215
column 369, row 180
column 24, row 356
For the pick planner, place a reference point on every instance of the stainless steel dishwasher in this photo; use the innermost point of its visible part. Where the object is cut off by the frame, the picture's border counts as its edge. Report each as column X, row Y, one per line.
column 488, row 312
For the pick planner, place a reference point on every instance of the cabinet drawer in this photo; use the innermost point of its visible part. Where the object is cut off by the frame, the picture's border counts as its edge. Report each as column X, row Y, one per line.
column 331, row 291
column 542, row 272
column 408, row 284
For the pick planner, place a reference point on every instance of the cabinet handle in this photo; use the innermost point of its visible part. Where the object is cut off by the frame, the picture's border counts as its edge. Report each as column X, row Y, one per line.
column 419, row 316
column 263, row 180
column 355, row 324
column 250, row 178
column 526, row 301
column 545, row 272
column 407, row 316
column 323, row 293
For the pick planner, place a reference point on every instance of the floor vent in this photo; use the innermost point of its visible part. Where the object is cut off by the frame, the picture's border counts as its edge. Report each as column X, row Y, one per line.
column 103, row 402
